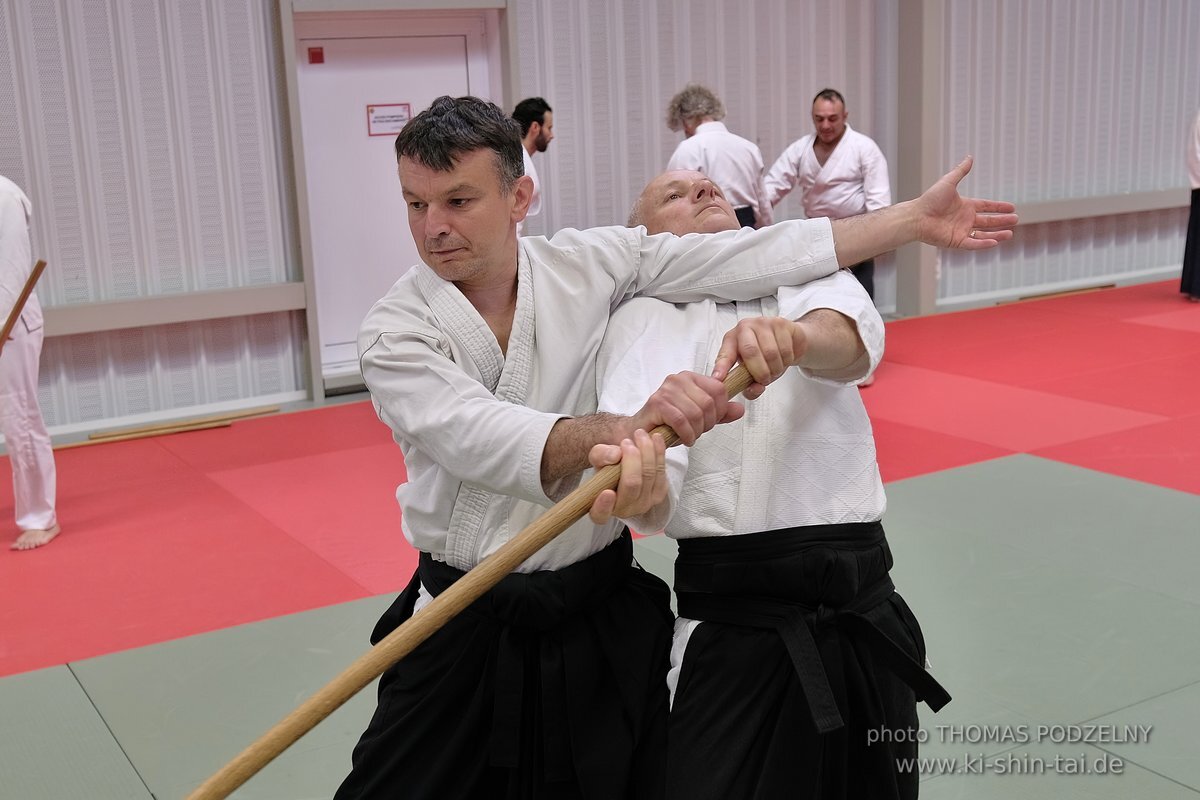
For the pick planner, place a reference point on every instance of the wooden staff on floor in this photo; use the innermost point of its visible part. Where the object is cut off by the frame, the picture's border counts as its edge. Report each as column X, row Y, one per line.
column 426, row 622
column 22, row 298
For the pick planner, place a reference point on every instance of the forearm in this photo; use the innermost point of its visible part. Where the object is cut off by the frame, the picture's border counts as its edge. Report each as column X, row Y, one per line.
column 570, row 441
column 855, row 239
column 833, row 341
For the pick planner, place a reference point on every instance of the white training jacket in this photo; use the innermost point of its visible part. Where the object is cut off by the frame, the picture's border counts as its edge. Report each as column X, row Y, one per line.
column 853, row 180
column 731, row 162
column 472, row 424
column 803, row 454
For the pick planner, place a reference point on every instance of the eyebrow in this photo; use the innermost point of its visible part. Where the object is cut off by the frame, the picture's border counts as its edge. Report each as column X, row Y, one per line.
column 458, row 188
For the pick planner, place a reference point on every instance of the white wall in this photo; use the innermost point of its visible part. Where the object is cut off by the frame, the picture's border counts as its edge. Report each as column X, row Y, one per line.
column 148, row 135
column 1064, row 100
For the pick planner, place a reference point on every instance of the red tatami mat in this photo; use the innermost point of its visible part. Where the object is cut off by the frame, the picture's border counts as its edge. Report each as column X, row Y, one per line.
column 1104, row 379
column 181, row 534
column 131, row 569
column 1166, row 386
column 1002, row 416
column 905, row 451
column 1166, row 454
column 1124, row 303
column 1081, row 346
column 355, row 527
column 281, row 436
column 1182, row 319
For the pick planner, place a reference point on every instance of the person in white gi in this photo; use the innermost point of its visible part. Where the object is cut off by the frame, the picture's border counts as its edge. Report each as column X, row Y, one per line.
column 25, row 435
column 482, row 362
column 537, row 131
column 799, row 466
column 735, row 164
column 840, row 172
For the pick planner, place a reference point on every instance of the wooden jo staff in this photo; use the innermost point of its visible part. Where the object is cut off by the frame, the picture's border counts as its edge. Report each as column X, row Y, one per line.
column 22, row 298
column 426, row 622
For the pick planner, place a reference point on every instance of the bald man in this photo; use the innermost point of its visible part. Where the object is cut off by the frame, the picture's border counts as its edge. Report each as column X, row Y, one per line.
column 793, row 655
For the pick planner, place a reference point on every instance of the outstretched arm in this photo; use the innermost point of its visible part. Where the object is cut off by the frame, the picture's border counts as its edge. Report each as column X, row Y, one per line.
column 940, row 217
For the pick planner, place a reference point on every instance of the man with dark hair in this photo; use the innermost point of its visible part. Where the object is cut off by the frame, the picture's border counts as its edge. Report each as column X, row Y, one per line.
column 735, row 164
column 537, row 131
column 840, row 172
column 792, row 646
column 482, row 361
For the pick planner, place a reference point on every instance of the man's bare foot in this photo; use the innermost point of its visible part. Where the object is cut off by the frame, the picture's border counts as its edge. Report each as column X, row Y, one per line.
column 36, row 538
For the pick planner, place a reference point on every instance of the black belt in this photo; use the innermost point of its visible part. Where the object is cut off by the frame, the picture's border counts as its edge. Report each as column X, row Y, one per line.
column 711, row 586
column 537, row 603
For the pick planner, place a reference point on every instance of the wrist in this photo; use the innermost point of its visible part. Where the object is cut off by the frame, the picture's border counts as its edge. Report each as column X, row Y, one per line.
column 622, row 429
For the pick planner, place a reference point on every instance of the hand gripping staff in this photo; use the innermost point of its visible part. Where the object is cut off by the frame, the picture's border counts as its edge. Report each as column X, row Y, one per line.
column 19, row 306
column 426, row 622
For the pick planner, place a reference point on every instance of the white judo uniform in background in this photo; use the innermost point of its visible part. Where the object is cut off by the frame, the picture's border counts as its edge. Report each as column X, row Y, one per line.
column 853, row 180
column 472, row 422
column 731, row 162
column 25, row 436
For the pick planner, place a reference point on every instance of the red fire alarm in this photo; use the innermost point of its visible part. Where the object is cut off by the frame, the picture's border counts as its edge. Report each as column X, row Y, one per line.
column 316, row 55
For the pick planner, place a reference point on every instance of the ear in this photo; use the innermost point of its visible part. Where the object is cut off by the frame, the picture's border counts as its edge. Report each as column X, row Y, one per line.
column 522, row 196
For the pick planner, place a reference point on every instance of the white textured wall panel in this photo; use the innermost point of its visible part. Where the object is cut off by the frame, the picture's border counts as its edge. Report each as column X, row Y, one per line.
column 151, row 139
column 132, row 372
column 1062, row 99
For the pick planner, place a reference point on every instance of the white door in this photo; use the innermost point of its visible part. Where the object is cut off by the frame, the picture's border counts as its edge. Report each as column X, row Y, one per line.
column 357, row 82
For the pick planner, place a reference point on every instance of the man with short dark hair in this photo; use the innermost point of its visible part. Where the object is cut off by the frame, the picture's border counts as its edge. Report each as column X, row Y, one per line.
column 537, row 131
column 839, row 171
column 482, row 361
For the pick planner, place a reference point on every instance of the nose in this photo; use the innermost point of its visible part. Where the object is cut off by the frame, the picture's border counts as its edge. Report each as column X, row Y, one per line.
column 705, row 189
column 437, row 222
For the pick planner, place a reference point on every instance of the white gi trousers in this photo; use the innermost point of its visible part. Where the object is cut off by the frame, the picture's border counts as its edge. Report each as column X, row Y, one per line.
column 25, row 435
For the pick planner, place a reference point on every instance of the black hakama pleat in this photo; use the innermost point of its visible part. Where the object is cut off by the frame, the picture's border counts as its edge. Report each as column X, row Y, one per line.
column 1190, row 283
column 806, row 649
column 550, row 686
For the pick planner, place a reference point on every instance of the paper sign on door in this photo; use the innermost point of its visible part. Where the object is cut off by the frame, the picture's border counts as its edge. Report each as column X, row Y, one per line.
column 387, row 119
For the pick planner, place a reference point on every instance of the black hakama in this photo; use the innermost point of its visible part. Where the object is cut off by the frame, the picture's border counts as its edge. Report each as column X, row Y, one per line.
column 1190, row 283
column 806, row 648
column 549, row 686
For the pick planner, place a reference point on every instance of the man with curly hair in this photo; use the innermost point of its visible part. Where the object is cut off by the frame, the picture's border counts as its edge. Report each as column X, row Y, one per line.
column 735, row 164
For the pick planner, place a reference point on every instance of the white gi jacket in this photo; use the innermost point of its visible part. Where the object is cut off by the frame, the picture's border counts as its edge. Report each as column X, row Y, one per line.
column 472, row 424
column 733, row 163
column 853, row 180
column 804, row 453
column 535, row 205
